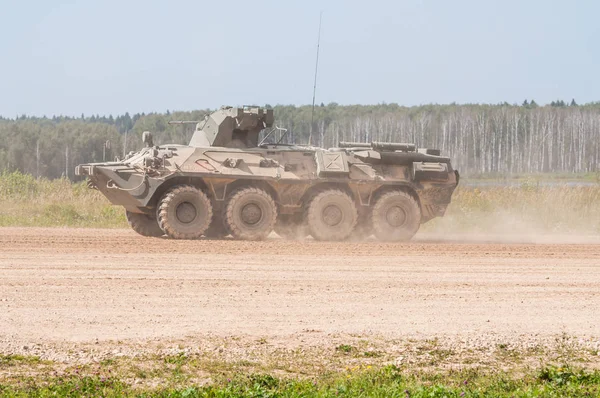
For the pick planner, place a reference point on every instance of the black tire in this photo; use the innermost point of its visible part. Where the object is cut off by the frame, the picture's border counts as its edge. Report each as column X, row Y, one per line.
column 250, row 214
column 291, row 227
column 331, row 215
column 396, row 217
column 184, row 212
column 144, row 224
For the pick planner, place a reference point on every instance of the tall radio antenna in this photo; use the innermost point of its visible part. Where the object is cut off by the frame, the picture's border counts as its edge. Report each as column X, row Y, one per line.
column 312, row 113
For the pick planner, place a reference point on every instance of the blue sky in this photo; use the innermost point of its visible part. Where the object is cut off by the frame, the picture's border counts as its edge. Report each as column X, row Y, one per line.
column 109, row 56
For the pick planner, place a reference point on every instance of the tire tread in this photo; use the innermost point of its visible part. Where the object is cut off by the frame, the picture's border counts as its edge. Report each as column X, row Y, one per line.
column 143, row 224
column 312, row 216
column 378, row 230
column 234, row 229
column 167, row 201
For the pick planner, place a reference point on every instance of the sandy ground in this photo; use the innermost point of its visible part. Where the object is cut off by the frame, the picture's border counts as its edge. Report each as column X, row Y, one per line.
column 79, row 287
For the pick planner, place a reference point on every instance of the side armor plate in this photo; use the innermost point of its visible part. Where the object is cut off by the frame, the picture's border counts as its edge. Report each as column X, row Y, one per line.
column 332, row 163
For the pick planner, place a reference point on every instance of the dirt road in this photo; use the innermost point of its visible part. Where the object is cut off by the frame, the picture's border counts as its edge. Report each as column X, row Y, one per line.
column 84, row 285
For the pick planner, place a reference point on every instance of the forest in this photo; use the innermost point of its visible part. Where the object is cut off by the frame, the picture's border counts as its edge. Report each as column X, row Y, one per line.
column 502, row 139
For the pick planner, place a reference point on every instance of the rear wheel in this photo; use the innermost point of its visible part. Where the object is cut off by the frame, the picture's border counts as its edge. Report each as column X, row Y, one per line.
column 331, row 215
column 250, row 214
column 144, row 224
column 184, row 212
column 396, row 217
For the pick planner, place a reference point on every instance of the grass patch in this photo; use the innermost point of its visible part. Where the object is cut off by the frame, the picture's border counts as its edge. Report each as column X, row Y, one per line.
column 69, row 386
column 387, row 381
column 542, row 177
column 8, row 360
column 528, row 207
column 372, row 354
column 345, row 348
column 27, row 201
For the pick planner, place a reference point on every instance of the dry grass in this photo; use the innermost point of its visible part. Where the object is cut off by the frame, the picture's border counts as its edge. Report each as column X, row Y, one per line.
column 27, row 201
column 526, row 208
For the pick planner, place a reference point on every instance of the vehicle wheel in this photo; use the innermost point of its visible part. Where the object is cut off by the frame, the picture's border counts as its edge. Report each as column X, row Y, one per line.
column 250, row 214
column 331, row 215
column 291, row 227
column 217, row 228
column 396, row 217
column 144, row 224
column 184, row 212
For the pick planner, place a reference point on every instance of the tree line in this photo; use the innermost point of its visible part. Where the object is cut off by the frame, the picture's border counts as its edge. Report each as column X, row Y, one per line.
column 503, row 139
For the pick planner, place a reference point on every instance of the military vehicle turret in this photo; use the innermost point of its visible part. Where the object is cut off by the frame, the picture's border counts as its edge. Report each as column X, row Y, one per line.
column 226, row 182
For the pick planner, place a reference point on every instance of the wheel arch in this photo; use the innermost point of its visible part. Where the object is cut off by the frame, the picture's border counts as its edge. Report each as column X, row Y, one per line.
column 323, row 186
column 197, row 182
column 249, row 183
column 390, row 188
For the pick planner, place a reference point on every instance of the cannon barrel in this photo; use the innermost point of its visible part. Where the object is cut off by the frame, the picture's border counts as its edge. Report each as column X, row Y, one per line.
column 184, row 122
column 380, row 146
column 346, row 144
column 394, row 146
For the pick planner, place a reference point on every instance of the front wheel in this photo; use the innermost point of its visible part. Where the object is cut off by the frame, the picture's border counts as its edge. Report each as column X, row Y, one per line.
column 184, row 212
column 396, row 217
column 250, row 214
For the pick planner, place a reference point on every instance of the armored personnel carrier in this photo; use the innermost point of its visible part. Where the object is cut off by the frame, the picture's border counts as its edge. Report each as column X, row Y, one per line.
column 226, row 182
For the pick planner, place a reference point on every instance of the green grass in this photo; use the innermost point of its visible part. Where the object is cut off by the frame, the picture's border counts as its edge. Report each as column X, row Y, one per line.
column 345, row 348
column 414, row 368
column 14, row 360
column 387, row 381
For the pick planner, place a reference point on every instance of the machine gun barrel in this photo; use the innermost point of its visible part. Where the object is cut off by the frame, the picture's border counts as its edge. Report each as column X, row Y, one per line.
column 380, row 146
